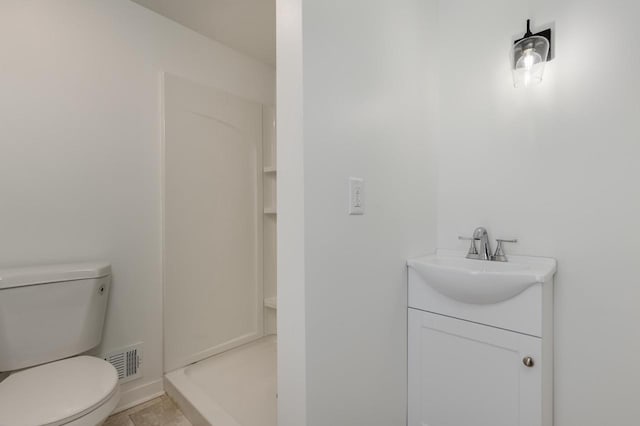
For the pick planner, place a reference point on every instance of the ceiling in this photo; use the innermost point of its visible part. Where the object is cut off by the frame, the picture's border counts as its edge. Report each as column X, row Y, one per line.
column 248, row 26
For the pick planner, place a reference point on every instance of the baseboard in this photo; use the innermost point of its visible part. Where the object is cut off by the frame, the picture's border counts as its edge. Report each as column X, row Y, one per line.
column 139, row 394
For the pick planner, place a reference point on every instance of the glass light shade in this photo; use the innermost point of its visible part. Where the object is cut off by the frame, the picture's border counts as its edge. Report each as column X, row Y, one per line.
column 529, row 57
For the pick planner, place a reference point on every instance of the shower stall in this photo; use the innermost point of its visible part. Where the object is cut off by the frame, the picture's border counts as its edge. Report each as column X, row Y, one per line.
column 219, row 180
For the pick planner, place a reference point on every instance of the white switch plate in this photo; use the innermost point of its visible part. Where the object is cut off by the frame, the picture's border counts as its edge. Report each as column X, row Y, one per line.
column 356, row 196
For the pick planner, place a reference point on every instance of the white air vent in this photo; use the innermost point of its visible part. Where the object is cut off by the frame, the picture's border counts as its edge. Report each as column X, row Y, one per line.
column 127, row 361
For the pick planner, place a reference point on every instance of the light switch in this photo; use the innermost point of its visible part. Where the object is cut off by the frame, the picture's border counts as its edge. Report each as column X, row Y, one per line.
column 356, row 196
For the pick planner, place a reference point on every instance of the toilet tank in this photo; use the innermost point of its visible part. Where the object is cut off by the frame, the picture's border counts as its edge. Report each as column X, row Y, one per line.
column 51, row 312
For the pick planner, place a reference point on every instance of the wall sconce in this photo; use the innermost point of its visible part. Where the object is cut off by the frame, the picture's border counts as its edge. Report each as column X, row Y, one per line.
column 529, row 55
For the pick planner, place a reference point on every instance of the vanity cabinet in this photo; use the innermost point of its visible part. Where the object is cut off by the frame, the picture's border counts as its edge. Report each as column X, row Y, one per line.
column 467, row 374
column 473, row 361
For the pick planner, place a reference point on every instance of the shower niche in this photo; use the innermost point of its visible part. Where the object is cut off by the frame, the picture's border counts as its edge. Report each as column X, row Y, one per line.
column 270, row 218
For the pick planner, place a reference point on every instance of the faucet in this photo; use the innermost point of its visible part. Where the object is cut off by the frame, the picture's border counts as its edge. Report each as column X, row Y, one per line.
column 481, row 234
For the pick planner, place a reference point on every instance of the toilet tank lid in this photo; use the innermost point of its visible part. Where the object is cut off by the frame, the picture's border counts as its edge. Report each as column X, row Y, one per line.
column 43, row 274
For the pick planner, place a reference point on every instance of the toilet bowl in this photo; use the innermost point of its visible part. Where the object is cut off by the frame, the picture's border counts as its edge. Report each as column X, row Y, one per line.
column 78, row 391
column 50, row 315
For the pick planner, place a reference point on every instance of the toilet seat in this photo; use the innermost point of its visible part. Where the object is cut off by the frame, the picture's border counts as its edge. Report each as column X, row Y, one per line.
column 60, row 392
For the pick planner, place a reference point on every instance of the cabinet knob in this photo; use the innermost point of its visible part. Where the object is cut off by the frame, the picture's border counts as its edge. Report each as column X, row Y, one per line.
column 528, row 361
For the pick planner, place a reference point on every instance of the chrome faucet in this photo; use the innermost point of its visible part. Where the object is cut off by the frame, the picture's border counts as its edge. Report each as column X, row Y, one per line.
column 481, row 234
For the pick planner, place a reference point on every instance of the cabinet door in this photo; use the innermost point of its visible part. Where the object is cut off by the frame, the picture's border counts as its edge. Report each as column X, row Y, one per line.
column 467, row 374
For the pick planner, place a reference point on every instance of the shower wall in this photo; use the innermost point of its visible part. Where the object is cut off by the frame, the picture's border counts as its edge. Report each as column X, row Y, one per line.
column 213, row 222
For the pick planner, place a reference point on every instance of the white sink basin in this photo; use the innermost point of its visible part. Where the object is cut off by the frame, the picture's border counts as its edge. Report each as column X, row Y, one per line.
column 478, row 281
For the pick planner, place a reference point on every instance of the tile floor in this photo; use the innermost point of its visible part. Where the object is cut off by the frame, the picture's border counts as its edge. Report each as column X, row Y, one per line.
column 160, row 411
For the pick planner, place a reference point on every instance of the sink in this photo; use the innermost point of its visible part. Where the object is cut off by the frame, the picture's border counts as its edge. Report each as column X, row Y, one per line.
column 478, row 281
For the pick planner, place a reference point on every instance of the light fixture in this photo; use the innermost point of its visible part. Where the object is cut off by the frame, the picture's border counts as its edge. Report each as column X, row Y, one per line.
column 529, row 55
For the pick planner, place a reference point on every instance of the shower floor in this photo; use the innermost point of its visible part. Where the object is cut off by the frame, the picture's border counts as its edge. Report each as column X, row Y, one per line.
column 235, row 388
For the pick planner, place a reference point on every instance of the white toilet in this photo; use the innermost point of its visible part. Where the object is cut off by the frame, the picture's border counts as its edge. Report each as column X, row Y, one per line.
column 49, row 314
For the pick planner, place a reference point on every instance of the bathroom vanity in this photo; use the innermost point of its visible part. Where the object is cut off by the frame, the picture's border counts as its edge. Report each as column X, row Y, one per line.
column 480, row 344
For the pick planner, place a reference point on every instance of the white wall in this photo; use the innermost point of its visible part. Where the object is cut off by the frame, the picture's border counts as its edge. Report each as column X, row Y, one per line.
column 557, row 167
column 292, row 385
column 365, row 113
column 80, row 136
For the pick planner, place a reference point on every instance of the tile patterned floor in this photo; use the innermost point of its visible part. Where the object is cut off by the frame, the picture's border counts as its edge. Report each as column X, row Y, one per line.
column 160, row 411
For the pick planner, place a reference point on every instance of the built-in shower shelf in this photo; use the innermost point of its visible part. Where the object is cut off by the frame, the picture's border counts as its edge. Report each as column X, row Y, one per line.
column 271, row 302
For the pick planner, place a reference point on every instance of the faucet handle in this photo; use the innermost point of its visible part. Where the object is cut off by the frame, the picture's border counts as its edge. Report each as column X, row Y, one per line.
column 499, row 255
column 473, row 251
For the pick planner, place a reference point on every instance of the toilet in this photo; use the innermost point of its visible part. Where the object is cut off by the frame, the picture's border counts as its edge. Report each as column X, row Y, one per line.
column 49, row 317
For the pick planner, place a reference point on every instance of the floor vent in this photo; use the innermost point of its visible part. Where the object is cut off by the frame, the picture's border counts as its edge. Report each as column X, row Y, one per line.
column 127, row 361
